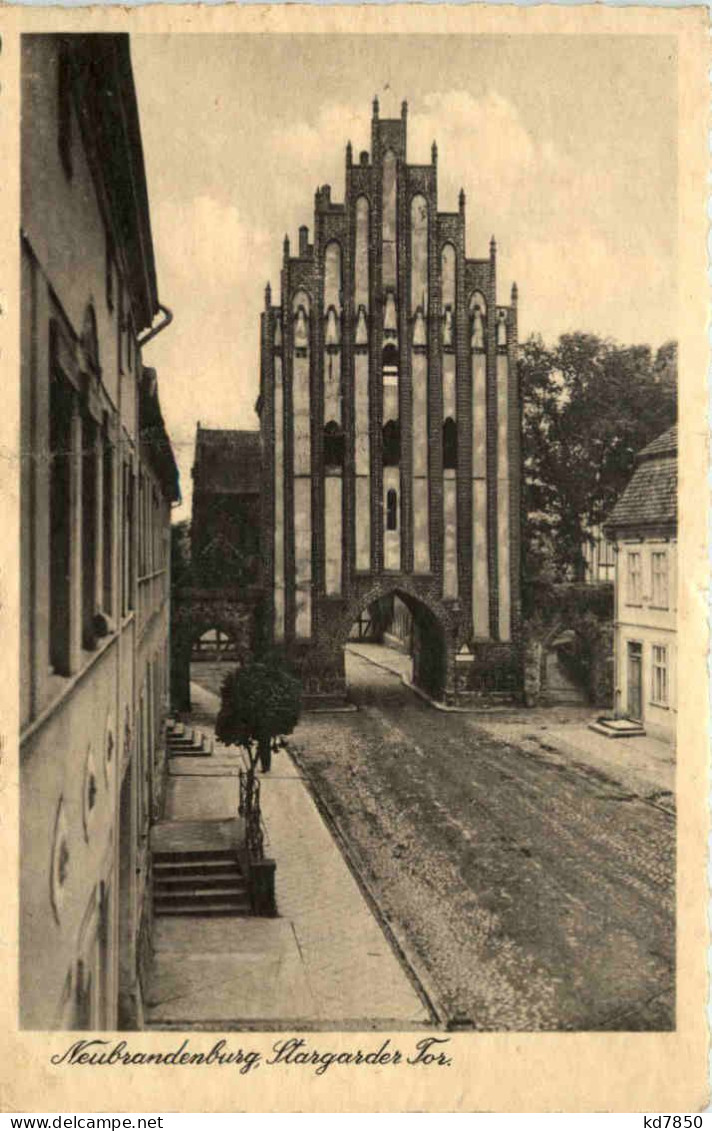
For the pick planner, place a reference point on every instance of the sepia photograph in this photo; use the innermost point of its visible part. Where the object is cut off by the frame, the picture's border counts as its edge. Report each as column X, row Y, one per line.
column 348, row 514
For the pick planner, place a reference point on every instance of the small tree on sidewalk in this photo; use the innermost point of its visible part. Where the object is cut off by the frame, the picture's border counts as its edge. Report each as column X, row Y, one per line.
column 260, row 704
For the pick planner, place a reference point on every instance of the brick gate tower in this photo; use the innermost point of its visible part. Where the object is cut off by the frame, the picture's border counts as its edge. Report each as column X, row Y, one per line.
column 390, row 421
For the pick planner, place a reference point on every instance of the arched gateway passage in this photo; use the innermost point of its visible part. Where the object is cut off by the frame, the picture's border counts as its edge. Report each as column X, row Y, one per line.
column 395, row 627
column 211, row 630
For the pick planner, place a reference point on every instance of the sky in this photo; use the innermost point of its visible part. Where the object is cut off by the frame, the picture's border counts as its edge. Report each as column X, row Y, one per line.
column 566, row 148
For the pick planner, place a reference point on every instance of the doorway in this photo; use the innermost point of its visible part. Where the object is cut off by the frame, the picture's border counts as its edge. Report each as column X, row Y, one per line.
column 635, row 680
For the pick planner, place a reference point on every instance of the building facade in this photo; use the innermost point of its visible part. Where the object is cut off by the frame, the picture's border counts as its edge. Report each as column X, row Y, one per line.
column 216, row 609
column 390, row 422
column 643, row 529
column 98, row 481
column 225, row 519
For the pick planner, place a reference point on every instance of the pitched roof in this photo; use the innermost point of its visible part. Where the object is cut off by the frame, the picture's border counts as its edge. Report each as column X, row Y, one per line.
column 227, row 461
column 661, row 445
column 650, row 499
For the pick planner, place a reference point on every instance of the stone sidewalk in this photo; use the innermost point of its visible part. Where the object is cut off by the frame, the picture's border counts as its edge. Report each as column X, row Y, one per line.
column 324, row 962
column 642, row 765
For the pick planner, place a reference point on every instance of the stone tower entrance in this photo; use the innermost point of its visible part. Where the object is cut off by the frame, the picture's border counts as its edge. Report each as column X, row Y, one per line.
column 390, row 422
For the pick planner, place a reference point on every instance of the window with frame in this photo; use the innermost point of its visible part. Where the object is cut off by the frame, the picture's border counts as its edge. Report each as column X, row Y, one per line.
column 107, row 516
column 128, row 566
column 61, row 406
column 659, row 675
column 659, row 579
column 89, row 531
column 634, row 578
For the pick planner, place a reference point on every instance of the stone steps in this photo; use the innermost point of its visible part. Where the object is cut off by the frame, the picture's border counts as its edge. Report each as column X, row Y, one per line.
column 186, row 742
column 217, row 909
column 199, row 883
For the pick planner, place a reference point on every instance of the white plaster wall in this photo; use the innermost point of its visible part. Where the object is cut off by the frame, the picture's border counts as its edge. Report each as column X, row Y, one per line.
column 302, row 555
column 419, row 255
column 421, row 519
column 389, row 220
column 450, row 546
column 55, row 210
column 659, row 722
column 480, row 580
column 361, row 258
column 419, row 369
column 505, row 629
column 362, row 457
column 363, row 523
column 421, row 526
column 390, row 401
column 302, row 423
column 650, row 626
column 362, row 454
column 449, row 398
column 333, row 533
column 479, row 417
column 332, row 386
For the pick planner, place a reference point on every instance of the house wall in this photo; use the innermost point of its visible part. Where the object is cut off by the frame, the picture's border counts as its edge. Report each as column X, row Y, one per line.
column 80, row 725
column 639, row 619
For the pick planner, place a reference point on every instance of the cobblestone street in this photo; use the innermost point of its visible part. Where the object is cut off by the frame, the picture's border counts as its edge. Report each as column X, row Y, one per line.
column 527, row 893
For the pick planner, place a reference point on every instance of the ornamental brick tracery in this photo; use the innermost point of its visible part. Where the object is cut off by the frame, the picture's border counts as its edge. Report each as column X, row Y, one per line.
column 409, row 338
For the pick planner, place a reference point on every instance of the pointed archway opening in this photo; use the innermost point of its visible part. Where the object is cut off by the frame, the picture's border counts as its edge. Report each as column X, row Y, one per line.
column 395, row 634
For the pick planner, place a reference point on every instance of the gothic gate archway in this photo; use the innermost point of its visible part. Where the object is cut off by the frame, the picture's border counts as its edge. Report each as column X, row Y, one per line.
column 196, row 611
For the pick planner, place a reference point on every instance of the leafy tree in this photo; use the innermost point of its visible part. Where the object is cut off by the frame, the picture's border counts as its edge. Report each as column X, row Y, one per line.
column 590, row 405
column 181, row 564
column 665, row 367
column 222, row 562
column 260, row 704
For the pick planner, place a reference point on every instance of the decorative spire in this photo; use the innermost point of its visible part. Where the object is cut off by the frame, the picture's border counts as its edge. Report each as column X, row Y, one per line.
column 349, row 153
column 268, row 296
column 375, row 107
column 462, row 200
column 434, row 153
column 515, row 294
column 493, row 247
column 286, row 247
column 404, row 109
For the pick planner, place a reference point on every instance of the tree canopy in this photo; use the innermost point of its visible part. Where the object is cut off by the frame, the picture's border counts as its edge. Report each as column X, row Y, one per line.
column 259, row 703
column 589, row 406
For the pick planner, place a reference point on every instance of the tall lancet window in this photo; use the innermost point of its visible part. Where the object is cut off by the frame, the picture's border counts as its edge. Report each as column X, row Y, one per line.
column 361, row 327
column 332, row 336
column 390, row 317
column 419, row 255
column 389, row 219
column 301, row 331
column 448, row 295
column 332, row 332
column 361, row 292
